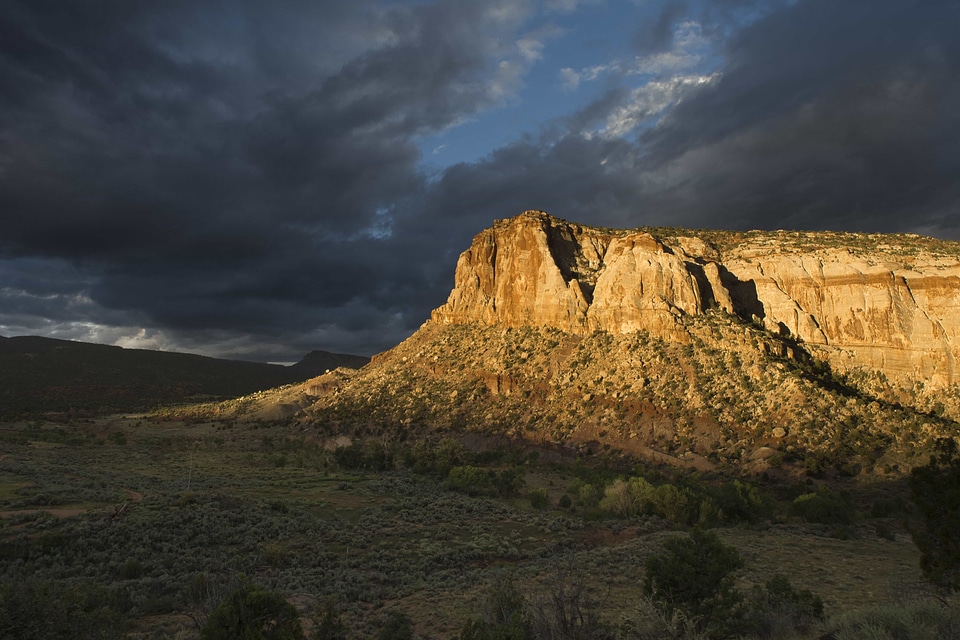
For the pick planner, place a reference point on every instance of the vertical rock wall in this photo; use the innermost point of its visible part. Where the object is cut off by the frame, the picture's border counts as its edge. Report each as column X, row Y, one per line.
column 878, row 312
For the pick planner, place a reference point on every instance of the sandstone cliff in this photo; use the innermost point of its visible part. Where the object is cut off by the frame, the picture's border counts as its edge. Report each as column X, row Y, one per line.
column 887, row 304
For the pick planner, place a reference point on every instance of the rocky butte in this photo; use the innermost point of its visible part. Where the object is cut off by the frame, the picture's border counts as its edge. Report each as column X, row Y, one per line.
column 888, row 308
column 757, row 349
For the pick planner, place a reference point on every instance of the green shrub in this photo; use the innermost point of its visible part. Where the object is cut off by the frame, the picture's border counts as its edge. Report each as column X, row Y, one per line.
column 778, row 610
column 936, row 492
column 887, row 507
column 426, row 457
column 351, row 457
column 675, row 504
column 509, row 481
column 131, row 569
column 372, row 455
column 687, row 502
column 38, row 610
column 472, row 481
column 824, row 506
column 923, row 620
column 396, row 626
column 589, row 495
column 250, row 613
column 741, row 501
column 627, row 498
column 695, row 577
column 539, row 499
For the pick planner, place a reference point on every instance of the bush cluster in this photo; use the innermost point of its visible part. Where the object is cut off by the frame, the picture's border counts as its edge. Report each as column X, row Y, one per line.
column 475, row 481
column 695, row 576
column 684, row 503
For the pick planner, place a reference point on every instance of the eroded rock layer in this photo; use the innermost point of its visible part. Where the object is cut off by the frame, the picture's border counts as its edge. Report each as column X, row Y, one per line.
column 888, row 304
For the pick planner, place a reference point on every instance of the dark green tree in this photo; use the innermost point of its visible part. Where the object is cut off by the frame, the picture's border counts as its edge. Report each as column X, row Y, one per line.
column 695, row 576
column 470, row 480
column 936, row 492
column 824, row 505
column 33, row 609
column 779, row 610
column 397, row 626
column 250, row 613
column 509, row 481
column 539, row 499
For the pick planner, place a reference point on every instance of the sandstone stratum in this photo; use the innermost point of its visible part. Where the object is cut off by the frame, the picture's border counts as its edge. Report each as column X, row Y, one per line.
column 822, row 351
column 887, row 308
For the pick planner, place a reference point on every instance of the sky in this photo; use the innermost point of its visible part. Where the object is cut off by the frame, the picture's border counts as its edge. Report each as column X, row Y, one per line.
column 256, row 179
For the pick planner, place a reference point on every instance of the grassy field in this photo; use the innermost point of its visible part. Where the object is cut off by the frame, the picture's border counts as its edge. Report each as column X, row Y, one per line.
column 163, row 516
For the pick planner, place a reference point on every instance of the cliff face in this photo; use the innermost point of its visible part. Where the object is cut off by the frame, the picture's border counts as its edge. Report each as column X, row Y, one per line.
column 877, row 307
column 535, row 270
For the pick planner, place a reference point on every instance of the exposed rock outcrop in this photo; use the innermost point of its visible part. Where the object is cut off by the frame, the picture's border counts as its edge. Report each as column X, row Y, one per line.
column 873, row 304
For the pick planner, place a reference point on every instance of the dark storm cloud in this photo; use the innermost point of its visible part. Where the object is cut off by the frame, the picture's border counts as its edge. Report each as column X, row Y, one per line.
column 826, row 115
column 226, row 165
column 244, row 178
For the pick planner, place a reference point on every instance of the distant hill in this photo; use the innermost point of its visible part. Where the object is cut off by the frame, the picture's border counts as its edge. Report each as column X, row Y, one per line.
column 46, row 375
column 317, row 363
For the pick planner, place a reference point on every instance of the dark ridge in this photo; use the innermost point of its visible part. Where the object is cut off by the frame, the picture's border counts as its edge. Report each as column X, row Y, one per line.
column 317, row 363
column 41, row 376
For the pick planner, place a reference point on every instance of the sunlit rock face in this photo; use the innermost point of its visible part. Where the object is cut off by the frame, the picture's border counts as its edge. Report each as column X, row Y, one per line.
column 874, row 305
column 876, row 312
column 531, row 270
column 536, row 270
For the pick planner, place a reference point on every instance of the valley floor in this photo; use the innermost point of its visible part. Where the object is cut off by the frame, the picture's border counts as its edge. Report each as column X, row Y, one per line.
column 161, row 517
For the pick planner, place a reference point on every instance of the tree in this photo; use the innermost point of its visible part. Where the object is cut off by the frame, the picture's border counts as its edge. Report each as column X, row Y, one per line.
column 824, row 506
column 539, row 499
column 397, row 626
column 568, row 610
column 695, row 576
column 250, row 613
column 509, row 481
column 33, row 609
column 936, row 492
column 470, row 480
column 778, row 609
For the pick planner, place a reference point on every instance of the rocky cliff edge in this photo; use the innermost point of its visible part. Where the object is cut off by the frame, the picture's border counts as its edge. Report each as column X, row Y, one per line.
column 887, row 304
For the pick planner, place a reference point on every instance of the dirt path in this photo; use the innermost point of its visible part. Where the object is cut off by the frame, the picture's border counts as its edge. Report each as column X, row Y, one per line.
column 69, row 512
column 57, row 513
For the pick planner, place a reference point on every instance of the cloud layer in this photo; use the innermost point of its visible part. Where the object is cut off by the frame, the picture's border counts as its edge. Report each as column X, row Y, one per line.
column 247, row 180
